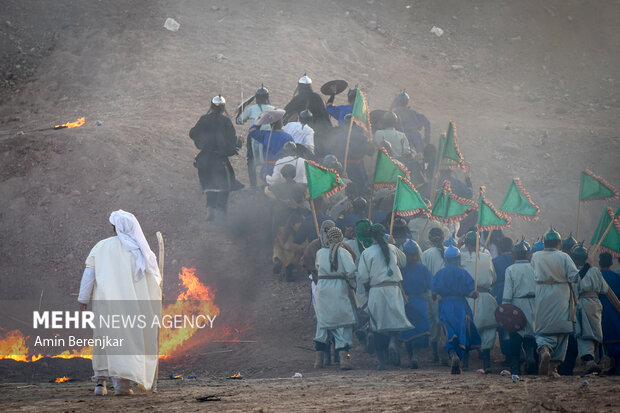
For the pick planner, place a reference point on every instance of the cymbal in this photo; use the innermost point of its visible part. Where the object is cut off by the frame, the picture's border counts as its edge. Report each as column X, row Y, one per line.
column 269, row 117
column 333, row 87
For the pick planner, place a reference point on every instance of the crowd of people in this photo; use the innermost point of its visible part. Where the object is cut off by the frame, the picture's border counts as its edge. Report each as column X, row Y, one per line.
column 424, row 284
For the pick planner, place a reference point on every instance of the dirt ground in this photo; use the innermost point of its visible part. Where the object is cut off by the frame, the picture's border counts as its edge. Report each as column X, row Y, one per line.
column 531, row 86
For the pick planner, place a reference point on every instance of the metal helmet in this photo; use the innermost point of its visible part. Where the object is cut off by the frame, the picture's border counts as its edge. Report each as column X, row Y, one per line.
column 347, row 118
column 552, row 235
column 538, row 246
column 262, row 91
column 411, row 247
column 568, row 243
column 218, row 100
column 352, row 94
column 289, row 148
column 305, row 116
column 452, row 252
column 389, row 119
column 359, row 204
column 521, row 247
column 401, row 99
column 579, row 253
column 470, row 238
column 329, row 161
column 305, row 80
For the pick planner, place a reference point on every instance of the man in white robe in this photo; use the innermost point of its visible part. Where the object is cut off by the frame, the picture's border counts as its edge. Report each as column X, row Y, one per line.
column 122, row 277
column 555, row 303
column 589, row 329
column 290, row 157
column 302, row 134
column 484, row 309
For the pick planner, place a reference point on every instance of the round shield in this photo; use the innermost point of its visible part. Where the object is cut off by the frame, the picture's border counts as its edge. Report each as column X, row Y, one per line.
column 510, row 317
column 333, row 87
column 269, row 117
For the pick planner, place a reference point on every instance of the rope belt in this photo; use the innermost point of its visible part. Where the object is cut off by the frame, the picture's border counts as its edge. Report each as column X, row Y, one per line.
column 526, row 296
column 588, row 294
column 484, row 290
column 332, row 277
column 392, row 284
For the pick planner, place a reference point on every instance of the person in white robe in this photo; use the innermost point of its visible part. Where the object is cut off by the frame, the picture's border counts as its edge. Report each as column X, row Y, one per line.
column 520, row 291
column 289, row 152
column 380, row 274
column 589, row 329
column 335, row 308
column 433, row 259
column 485, row 304
column 555, row 303
column 122, row 277
column 302, row 133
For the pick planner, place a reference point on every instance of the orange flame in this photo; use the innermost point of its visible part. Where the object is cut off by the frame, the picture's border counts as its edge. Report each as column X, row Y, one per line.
column 195, row 300
column 61, row 379
column 75, row 124
column 237, row 375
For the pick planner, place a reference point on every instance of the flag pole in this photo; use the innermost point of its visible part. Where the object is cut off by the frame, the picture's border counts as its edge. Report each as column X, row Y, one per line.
column 392, row 222
column 476, row 267
column 372, row 195
column 578, row 211
column 316, row 222
column 267, row 151
column 346, row 149
column 423, row 229
column 486, row 241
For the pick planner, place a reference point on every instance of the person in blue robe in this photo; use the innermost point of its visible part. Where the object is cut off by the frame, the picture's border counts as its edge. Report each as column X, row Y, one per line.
column 275, row 143
column 416, row 284
column 611, row 317
column 501, row 262
column 453, row 284
column 340, row 111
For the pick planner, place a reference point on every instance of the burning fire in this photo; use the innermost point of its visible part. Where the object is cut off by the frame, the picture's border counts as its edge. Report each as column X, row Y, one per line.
column 237, row 376
column 75, row 124
column 195, row 299
column 61, row 379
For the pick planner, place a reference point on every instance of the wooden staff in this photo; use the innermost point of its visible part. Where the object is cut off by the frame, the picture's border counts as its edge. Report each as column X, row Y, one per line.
column 372, row 195
column 423, row 229
column 476, row 267
column 316, row 221
column 346, row 148
column 268, row 143
column 160, row 241
column 578, row 211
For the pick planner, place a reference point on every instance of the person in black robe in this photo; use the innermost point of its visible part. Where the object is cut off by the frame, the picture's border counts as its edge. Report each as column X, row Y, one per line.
column 214, row 134
column 306, row 98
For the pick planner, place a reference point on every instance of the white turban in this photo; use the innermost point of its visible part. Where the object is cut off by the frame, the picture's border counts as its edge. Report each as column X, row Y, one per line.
column 132, row 238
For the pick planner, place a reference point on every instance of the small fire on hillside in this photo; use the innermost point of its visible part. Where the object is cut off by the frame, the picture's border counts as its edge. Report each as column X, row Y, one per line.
column 61, row 379
column 195, row 299
column 75, row 124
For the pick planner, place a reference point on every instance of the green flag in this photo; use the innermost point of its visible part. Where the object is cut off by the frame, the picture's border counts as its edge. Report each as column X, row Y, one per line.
column 387, row 169
column 518, row 202
column 407, row 200
column 448, row 154
column 592, row 187
column 361, row 114
column 490, row 218
column 450, row 208
column 322, row 181
column 611, row 242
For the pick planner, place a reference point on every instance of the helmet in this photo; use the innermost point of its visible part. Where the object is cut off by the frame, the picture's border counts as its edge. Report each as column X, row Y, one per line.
column 347, row 118
column 389, row 119
column 305, row 80
column 452, row 252
column 470, row 237
column 579, row 253
column 329, row 161
column 289, row 148
column 352, row 94
column 568, row 243
column 359, row 204
column 538, row 246
column 262, row 91
column 305, row 116
column 552, row 235
column 218, row 100
column 401, row 99
column 411, row 247
column 521, row 246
